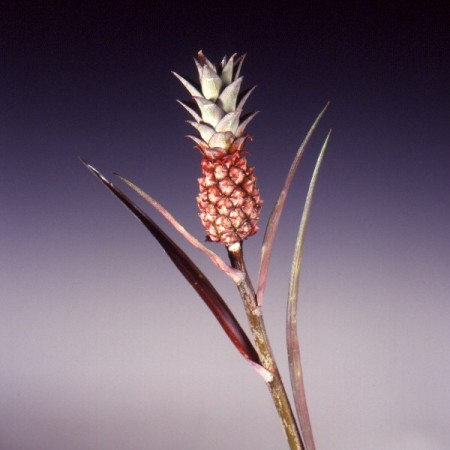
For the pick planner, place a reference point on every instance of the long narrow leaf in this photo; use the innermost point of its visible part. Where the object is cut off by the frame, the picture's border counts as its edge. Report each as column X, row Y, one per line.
column 236, row 275
column 191, row 272
column 293, row 345
column 274, row 219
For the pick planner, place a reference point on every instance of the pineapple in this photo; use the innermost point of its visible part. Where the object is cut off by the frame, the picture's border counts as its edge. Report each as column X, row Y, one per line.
column 229, row 200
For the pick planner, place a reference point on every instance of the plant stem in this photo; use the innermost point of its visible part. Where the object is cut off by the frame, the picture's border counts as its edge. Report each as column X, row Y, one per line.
column 261, row 340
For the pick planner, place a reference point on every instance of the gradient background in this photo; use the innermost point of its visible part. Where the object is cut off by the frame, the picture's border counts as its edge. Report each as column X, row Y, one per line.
column 103, row 345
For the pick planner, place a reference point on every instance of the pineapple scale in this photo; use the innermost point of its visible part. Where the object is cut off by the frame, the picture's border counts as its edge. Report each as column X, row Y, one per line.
column 229, row 200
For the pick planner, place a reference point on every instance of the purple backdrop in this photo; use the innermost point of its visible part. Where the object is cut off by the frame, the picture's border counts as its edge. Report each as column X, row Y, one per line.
column 102, row 343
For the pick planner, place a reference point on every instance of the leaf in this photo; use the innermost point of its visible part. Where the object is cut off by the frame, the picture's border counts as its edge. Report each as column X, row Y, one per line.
column 236, row 275
column 274, row 219
column 191, row 272
column 293, row 345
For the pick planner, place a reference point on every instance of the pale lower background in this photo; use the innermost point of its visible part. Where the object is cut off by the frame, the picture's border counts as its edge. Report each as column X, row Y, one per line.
column 104, row 346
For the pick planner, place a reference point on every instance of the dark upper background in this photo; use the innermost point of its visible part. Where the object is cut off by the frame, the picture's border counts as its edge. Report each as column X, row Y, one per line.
column 93, row 79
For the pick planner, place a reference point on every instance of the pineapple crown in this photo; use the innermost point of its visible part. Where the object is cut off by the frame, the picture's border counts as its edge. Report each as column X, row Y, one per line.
column 217, row 106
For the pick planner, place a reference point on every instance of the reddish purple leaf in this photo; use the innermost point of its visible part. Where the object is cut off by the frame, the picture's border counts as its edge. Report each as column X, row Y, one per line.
column 191, row 272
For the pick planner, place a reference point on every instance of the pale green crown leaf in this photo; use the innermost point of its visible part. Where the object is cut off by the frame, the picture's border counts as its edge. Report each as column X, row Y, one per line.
column 227, row 70
column 221, row 140
column 205, row 131
column 239, row 63
column 229, row 122
column 243, row 125
column 211, row 83
column 228, row 97
column 245, row 98
column 203, row 60
column 196, row 139
column 211, row 113
column 191, row 89
column 219, row 112
column 193, row 113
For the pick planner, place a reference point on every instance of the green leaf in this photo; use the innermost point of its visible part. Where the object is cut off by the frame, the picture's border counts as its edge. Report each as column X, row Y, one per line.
column 293, row 346
column 274, row 219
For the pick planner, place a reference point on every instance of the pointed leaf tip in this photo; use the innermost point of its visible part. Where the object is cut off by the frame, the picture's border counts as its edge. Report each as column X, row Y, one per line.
column 191, row 272
column 236, row 275
column 274, row 219
column 293, row 345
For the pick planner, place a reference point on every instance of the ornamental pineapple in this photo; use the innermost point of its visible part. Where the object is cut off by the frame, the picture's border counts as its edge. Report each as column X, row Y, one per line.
column 228, row 201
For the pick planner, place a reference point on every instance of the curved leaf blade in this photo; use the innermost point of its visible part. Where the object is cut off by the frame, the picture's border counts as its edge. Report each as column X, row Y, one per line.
column 191, row 272
column 274, row 219
column 293, row 346
column 236, row 275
